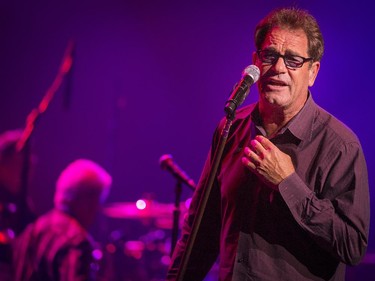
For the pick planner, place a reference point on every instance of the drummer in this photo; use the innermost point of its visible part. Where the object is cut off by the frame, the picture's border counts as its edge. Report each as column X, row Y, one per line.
column 58, row 243
column 15, row 209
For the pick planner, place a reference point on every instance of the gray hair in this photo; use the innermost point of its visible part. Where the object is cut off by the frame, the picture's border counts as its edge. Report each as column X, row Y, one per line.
column 80, row 179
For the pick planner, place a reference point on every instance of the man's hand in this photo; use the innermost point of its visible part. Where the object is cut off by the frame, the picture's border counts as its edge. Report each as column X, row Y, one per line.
column 268, row 162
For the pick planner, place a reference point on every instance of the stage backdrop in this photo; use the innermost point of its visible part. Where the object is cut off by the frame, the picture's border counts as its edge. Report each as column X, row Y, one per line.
column 151, row 78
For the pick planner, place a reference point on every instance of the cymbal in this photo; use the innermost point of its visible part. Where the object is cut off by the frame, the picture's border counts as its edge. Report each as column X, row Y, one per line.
column 142, row 209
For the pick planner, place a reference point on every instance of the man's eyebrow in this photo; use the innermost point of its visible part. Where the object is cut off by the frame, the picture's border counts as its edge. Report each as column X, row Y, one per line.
column 292, row 53
column 272, row 49
column 287, row 52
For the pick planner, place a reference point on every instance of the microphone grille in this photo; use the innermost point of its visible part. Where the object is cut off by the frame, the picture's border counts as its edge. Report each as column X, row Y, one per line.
column 164, row 159
column 252, row 71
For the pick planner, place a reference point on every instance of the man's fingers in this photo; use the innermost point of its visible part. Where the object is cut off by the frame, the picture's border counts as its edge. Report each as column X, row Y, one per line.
column 248, row 163
column 251, row 157
column 264, row 142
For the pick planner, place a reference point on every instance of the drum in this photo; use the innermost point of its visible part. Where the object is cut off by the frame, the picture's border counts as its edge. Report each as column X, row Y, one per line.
column 145, row 259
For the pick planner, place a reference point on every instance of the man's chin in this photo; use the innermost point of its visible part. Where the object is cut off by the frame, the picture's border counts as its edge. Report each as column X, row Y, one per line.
column 273, row 97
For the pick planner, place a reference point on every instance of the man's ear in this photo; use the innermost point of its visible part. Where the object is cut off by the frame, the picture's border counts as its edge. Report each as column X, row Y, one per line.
column 313, row 72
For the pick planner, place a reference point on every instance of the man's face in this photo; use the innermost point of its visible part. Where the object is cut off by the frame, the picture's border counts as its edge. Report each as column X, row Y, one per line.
column 283, row 86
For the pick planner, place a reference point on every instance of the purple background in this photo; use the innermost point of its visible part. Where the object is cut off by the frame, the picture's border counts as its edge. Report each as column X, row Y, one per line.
column 152, row 78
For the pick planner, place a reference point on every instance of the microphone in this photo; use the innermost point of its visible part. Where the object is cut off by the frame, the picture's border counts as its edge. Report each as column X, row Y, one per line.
column 249, row 76
column 68, row 68
column 166, row 162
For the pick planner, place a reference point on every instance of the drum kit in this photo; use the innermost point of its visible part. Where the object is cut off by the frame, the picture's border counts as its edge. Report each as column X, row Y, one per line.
column 145, row 258
column 161, row 214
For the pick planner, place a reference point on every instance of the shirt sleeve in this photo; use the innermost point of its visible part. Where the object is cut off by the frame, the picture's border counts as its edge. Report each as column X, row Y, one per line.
column 77, row 264
column 336, row 217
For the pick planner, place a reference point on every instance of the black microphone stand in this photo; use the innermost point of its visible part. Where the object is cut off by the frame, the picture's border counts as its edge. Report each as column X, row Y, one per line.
column 176, row 215
column 205, row 196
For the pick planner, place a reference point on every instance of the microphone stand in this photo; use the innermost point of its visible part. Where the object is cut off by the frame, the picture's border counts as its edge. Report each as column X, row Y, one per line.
column 23, row 144
column 176, row 215
column 205, row 196
column 43, row 105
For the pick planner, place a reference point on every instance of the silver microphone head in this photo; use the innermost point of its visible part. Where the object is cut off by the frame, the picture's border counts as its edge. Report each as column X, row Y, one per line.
column 252, row 71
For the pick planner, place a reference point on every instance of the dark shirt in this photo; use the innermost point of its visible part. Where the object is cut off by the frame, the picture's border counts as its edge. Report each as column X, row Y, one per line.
column 56, row 247
column 309, row 230
column 15, row 215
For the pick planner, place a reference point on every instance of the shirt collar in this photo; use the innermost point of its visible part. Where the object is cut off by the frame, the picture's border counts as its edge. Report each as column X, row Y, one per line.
column 300, row 126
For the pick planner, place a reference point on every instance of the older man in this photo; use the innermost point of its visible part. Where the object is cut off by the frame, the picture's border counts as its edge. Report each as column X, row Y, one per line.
column 290, row 199
column 58, row 246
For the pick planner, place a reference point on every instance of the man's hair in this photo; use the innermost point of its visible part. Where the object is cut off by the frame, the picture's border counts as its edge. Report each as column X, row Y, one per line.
column 293, row 19
column 80, row 179
column 8, row 143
